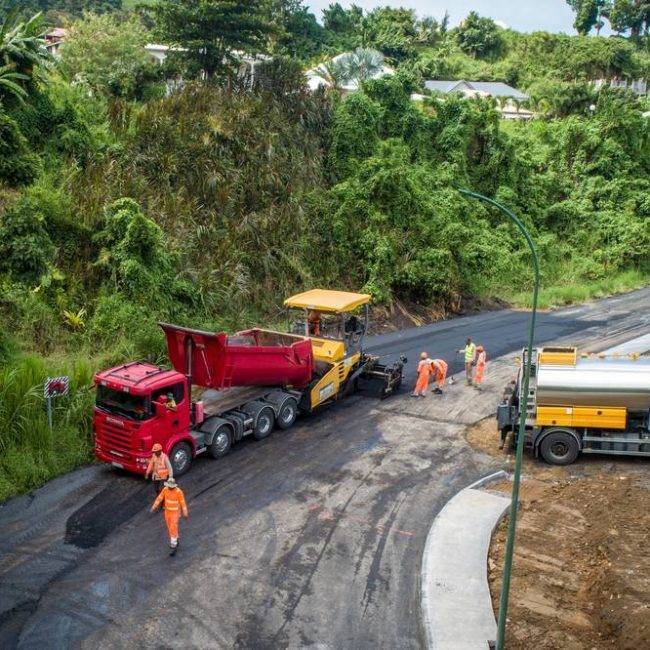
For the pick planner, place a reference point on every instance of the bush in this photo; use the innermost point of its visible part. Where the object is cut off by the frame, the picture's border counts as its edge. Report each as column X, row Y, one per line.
column 18, row 165
column 26, row 250
column 354, row 133
column 122, row 326
column 562, row 98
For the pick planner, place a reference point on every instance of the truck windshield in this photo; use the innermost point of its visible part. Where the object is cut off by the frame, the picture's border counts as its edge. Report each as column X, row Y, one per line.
column 125, row 404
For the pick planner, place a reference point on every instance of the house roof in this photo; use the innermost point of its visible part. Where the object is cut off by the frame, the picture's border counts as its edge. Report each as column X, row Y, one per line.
column 491, row 88
column 443, row 86
column 57, row 32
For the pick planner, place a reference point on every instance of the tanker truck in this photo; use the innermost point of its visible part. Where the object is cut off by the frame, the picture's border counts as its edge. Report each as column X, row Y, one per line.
column 590, row 404
column 223, row 387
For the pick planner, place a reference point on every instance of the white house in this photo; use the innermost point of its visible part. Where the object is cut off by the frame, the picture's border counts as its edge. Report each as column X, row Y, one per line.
column 637, row 86
column 509, row 97
column 159, row 52
column 248, row 63
column 53, row 40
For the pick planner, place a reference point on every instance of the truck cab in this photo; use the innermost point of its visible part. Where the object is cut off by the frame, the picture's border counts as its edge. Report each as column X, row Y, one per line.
column 131, row 413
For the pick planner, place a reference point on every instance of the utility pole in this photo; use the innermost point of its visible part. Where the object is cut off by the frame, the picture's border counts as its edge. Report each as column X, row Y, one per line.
column 512, row 523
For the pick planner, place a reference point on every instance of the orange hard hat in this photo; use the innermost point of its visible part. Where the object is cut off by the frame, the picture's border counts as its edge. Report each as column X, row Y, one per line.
column 156, row 447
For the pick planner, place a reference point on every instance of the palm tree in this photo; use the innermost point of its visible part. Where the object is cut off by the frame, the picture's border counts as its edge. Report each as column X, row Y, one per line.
column 360, row 65
column 363, row 64
column 334, row 72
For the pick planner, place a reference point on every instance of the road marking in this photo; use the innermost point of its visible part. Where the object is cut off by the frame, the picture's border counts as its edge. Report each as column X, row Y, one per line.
column 325, row 514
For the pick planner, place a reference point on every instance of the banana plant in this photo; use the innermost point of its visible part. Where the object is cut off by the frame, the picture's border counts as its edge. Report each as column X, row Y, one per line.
column 10, row 83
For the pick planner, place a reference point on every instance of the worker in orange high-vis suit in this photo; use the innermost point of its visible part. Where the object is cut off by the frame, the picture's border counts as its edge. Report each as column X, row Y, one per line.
column 173, row 501
column 481, row 362
column 159, row 468
column 439, row 369
column 313, row 322
column 424, row 373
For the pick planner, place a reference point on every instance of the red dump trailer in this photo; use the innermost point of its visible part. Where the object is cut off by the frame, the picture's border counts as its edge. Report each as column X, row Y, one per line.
column 254, row 357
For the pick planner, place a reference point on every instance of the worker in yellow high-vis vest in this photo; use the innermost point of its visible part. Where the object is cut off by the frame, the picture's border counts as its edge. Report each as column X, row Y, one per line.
column 470, row 355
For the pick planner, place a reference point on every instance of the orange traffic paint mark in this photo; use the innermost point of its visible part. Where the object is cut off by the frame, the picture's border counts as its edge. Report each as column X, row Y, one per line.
column 325, row 514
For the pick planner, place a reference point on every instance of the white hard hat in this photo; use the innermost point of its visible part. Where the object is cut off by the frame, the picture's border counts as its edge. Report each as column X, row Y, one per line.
column 170, row 483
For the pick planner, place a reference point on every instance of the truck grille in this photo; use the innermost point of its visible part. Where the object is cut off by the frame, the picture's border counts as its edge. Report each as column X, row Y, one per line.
column 113, row 437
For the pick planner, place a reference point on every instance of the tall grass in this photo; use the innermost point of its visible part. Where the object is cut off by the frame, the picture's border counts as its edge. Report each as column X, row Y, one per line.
column 576, row 292
column 31, row 454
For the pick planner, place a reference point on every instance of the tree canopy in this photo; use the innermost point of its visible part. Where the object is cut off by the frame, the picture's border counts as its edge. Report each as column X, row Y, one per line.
column 623, row 15
column 211, row 33
column 478, row 36
column 108, row 55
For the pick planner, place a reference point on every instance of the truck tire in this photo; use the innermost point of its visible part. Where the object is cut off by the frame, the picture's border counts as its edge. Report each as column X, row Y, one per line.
column 264, row 423
column 221, row 442
column 180, row 458
column 287, row 414
column 559, row 447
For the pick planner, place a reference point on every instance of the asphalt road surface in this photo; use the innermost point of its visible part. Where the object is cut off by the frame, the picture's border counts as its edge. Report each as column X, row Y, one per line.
column 310, row 538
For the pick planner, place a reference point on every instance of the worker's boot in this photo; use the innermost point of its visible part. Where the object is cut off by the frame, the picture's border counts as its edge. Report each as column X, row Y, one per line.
column 437, row 391
column 174, row 548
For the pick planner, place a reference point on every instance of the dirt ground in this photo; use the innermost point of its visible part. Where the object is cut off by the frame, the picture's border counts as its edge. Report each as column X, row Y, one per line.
column 581, row 574
column 402, row 315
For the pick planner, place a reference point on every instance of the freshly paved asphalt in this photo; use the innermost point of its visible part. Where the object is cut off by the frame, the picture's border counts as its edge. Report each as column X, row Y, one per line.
column 310, row 538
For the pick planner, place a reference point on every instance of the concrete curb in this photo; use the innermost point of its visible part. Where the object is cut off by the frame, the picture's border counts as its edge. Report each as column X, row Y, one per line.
column 501, row 475
column 456, row 604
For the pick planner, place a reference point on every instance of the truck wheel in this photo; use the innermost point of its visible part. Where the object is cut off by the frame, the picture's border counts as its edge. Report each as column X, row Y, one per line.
column 559, row 448
column 288, row 414
column 180, row 458
column 264, row 423
column 221, row 442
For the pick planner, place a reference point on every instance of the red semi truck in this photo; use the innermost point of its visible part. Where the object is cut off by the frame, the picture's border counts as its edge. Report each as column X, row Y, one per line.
column 256, row 379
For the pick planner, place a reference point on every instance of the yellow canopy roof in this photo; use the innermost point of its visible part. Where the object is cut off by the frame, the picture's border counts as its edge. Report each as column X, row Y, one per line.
column 326, row 300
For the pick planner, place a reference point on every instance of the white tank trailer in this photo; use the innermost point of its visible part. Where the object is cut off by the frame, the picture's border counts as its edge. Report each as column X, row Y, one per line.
column 596, row 382
column 580, row 404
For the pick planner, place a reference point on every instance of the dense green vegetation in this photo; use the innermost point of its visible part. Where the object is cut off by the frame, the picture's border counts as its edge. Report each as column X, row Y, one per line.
column 121, row 204
column 623, row 15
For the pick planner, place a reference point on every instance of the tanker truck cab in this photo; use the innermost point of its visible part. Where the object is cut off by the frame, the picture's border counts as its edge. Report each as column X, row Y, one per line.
column 579, row 403
column 132, row 412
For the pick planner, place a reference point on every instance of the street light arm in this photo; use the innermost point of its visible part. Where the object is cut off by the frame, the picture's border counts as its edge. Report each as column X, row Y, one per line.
column 512, row 523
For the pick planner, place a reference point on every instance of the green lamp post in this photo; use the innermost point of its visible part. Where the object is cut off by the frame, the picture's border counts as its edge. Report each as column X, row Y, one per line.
column 512, row 524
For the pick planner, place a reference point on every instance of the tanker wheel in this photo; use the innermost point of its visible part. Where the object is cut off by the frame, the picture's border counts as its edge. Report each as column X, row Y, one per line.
column 263, row 423
column 221, row 442
column 288, row 414
column 559, row 447
column 180, row 458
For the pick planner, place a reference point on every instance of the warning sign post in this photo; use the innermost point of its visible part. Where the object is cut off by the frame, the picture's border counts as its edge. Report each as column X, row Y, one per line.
column 54, row 387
